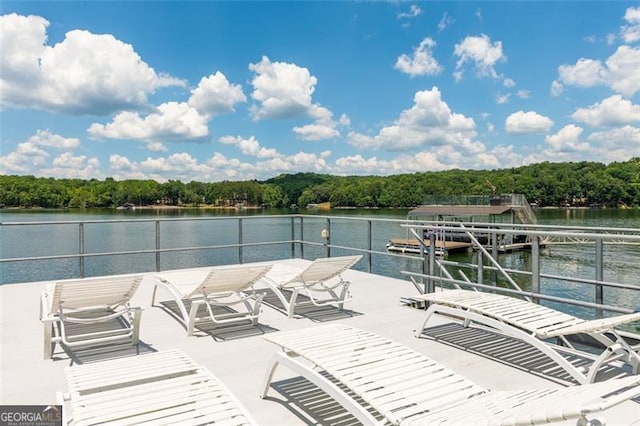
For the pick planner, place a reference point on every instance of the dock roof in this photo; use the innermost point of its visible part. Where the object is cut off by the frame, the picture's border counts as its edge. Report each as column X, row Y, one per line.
column 454, row 210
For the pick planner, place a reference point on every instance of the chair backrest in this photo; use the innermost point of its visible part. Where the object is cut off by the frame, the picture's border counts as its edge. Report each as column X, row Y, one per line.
column 94, row 292
column 230, row 280
column 323, row 269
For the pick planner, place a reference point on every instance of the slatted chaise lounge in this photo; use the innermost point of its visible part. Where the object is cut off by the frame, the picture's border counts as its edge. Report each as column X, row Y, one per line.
column 217, row 287
column 406, row 387
column 159, row 388
column 99, row 305
column 321, row 283
column 533, row 324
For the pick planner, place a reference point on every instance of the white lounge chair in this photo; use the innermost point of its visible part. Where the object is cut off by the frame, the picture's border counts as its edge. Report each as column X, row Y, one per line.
column 217, row 287
column 533, row 324
column 407, row 387
column 159, row 388
column 321, row 283
column 101, row 304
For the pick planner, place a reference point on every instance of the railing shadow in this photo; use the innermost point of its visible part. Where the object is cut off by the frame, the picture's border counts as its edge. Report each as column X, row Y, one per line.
column 90, row 354
column 514, row 353
column 313, row 406
column 314, row 313
column 219, row 332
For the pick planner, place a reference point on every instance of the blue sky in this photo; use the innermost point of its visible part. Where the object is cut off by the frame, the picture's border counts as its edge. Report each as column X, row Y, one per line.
column 213, row 91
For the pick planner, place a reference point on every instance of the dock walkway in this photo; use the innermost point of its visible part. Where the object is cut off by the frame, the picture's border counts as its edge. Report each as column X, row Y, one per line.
column 239, row 357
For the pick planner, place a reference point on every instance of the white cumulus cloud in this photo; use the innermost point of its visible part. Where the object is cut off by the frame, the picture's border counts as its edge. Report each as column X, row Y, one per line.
column 67, row 165
column 481, row 52
column 567, row 140
column 631, row 32
column 422, row 62
column 172, row 120
column 46, row 138
column 249, row 146
column 33, row 154
column 215, row 95
column 85, row 73
column 619, row 72
column 612, row 111
column 316, row 132
column 282, row 90
column 429, row 121
column 527, row 122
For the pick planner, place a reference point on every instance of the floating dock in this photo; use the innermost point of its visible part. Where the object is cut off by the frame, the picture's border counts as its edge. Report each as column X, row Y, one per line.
column 412, row 246
column 443, row 248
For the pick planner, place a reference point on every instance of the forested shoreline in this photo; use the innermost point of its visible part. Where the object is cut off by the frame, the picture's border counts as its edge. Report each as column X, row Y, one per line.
column 546, row 184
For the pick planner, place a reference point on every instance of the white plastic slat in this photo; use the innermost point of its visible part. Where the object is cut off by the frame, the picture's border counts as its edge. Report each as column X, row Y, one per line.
column 143, row 367
column 84, row 293
column 542, row 321
column 404, row 385
column 321, row 269
column 136, row 393
column 417, row 387
column 194, row 396
column 232, row 279
column 420, row 403
column 124, row 403
column 594, row 325
column 386, row 367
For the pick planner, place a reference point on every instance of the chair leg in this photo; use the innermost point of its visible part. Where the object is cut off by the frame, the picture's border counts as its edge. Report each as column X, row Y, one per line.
column 292, row 303
column 269, row 376
column 343, row 296
column 255, row 314
column 135, row 337
column 153, row 295
column 49, row 343
column 193, row 316
column 430, row 311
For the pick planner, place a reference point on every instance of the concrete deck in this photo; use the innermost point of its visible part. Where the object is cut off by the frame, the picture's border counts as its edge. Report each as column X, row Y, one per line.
column 239, row 358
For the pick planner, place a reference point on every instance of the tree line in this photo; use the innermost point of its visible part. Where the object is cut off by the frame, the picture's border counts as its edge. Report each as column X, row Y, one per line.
column 546, row 184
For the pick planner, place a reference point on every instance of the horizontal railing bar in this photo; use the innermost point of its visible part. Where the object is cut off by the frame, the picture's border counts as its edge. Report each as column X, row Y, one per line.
column 542, row 275
column 144, row 251
column 517, row 231
column 223, row 246
column 502, row 226
column 522, row 293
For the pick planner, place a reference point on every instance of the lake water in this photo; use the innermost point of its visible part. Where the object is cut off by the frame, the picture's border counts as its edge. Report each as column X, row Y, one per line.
column 127, row 231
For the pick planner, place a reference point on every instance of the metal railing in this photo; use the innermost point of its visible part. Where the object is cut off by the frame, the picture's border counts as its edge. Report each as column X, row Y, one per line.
column 42, row 251
column 305, row 236
column 437, row 271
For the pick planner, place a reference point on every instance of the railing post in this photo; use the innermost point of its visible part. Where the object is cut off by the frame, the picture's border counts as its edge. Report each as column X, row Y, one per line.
column 494, row 254
column 480, row 268
column 535, row 265
column 599, row 275
column 293, row 237
column 81, row 247
column 369, row 243
column 431, row 285
column 157, row 246
column 301, row 237
column 328, row 241
column 240, row 241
